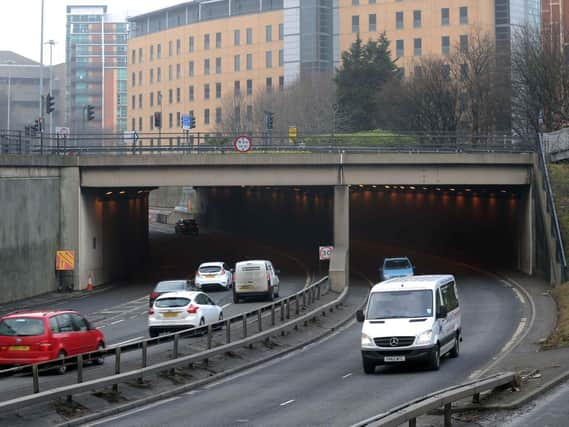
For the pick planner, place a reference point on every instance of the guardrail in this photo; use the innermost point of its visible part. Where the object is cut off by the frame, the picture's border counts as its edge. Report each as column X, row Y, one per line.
column 409, row 412
column 16, row 142
column 555, row 228
column 300, row 299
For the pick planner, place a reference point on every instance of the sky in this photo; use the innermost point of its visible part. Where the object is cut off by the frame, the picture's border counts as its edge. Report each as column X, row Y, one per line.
column 20, row 22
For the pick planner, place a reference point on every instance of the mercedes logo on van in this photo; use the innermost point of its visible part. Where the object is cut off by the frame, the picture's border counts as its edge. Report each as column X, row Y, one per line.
column 393, row 342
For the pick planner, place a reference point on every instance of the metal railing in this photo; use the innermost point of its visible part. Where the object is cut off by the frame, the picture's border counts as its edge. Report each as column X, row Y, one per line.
column 555, row 228
column 197, row 142
column 294, row 303
column 409, row 412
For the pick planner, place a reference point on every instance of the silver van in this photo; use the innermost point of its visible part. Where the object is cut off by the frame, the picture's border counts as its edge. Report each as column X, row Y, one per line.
column 255, row 278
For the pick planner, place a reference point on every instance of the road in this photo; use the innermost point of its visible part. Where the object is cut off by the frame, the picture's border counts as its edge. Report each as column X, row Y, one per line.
column 325, row 384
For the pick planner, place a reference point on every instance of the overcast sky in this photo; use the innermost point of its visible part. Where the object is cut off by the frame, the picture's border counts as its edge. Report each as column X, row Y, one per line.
column 20, row 22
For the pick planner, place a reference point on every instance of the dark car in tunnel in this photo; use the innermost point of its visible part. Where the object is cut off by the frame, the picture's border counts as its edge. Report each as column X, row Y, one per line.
column 187, row 226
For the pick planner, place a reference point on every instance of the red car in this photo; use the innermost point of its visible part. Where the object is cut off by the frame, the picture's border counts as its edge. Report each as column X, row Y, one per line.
column 28, row 337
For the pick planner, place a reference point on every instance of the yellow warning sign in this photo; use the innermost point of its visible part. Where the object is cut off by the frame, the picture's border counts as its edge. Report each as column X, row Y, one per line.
column 65, row 260
column 292, row 132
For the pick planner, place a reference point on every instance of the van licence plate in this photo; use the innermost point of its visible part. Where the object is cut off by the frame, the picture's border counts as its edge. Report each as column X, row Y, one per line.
column 19, row 348
column 394, row 359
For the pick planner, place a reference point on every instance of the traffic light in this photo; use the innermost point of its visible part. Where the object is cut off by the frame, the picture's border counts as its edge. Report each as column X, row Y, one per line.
column 192, row 122
column 90, row 112
column 49, row 103
column 158, row 120
column 269, row 120
column 37, row 126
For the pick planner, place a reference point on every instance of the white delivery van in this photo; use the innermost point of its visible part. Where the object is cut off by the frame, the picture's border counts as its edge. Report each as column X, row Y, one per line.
column 410, row 319
column 255, row 278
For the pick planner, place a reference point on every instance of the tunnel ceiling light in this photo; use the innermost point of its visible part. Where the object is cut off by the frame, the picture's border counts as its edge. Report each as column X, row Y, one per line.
column 139, row 191
column 425, row 188
column 374, row 186
column 402, row 187
column 109, row 193
column 438, row 188
column 122, row 192
column 467, row 190
column 387, row 186
column 503, row 191
column 452, row 189
column 412, row 188
column 361, row 186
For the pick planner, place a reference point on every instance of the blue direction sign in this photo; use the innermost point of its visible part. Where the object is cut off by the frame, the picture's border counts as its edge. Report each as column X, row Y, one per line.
column 186, row 122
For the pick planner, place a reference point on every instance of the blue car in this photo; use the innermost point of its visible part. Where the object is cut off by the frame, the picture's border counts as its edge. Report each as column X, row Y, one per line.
column 396, row 267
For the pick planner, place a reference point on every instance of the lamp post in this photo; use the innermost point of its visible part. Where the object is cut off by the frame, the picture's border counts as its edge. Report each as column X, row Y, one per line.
column 41, row 61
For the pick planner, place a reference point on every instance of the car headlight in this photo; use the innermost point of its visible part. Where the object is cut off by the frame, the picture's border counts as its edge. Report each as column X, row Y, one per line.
column 366, row 340
column 425, row 337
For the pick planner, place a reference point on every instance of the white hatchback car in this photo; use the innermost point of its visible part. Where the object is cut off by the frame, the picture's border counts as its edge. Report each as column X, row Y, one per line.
column 213, row 275
column 176, row 311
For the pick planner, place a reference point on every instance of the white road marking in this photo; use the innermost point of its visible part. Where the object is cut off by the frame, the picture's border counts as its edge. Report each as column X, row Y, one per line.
column 288, row 402
column 242, row 421
column 347, row 376
column 506, row 284
column 117, row 321
column 134, row 411
column 125, row 342
column 519, row 295
column 225, row 306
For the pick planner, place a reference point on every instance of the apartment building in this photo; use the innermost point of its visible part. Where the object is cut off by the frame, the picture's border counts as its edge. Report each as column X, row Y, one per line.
column 96, row 58
column 188, row 58
column 555, row 22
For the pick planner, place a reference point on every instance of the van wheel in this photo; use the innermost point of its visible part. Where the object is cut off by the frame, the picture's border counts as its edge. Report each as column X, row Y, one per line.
column 435, row 359
column 369, row 366
column 455, row 351
column 61, row 366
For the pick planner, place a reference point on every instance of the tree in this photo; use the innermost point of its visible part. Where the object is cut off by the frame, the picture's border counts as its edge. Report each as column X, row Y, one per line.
column 364, row 71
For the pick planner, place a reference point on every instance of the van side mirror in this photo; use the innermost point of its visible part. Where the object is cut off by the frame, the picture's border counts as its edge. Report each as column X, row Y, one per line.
column 360, row 316
column 442, row 312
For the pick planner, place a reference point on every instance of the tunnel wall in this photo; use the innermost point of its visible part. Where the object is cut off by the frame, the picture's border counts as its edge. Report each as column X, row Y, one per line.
column 29, row 231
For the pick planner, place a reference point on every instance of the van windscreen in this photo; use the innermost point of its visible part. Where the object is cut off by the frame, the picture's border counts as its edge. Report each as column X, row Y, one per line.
column 400, row 304
column 251, row 268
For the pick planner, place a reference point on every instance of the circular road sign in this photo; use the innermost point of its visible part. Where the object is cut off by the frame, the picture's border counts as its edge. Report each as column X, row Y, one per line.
column 242, row 143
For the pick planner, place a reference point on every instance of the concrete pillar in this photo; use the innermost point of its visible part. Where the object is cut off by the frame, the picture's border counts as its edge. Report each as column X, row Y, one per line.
column 526, row 233
column 70, row 202
column 339, row 264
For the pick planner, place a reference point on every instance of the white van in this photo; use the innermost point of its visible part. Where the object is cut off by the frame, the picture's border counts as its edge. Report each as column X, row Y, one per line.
column 411, row 319
column 256, row 278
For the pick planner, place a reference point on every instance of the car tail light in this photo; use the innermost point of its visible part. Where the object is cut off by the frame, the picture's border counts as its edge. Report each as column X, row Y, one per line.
column 193, row 309
column 150, row 311
column 154, row 295
column 45, row 346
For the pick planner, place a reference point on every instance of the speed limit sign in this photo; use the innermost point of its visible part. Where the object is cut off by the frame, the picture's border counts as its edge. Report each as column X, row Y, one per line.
column 242, row 143
column 325, row 252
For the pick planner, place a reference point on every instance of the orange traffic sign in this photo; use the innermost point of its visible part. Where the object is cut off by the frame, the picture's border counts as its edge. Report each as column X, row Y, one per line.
column 65, row 260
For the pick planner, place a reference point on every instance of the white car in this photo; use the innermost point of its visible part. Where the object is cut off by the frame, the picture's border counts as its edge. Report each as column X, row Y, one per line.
column 213, row 276
column 176, row 311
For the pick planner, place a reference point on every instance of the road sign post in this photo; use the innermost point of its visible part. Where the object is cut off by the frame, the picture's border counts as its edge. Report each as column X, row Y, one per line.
column 324, row 254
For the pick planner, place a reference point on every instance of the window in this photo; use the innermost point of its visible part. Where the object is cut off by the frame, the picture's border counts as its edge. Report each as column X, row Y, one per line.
column 268, row 33
column 64, row 320
column 446, row 71
column 170, row 72
column 399, row 20
column 170, row 48
column 218, row 90
column 140, row 123
column 133, row 83
column 53, row 325
column 191, row 45
column 140, row 78
column 463, row 71
column 170, row 96
column 371, row 1
column 206, row 67
column 417, row 47
column 237, row 63
column 445, row 16
column 206, row 41
column 269, row 83
column 178, row 119
column 151, row 122
column 372, row 22
column 236, row 37
column 191, row 93
column 178, row 71
column 416, row 19
column 355, row 24
column 217, row 40
column 355, row 2
column 206, row 116
column 464, row 15
column 159, row 98
column 249, row 87
column 133, row 101
column 249, row 35
column 217, row 65
column 133, row 59
column 281, row 31
column 152, row 99
column 206, row 91
column 178, row 95
column 281, row 57
column 133, row 124
column 79, row 324
column 191, row 68
column 152, row 52
column 178, row 47
column 281, row 82
column 445, row 45
column 237, row 113
column 249, row 61
column 140, row 101
column 151, row 75
column 269, row 59
column 218, row 115
column 463, row 43
column 158, row 74
column 399, row 48
column 448, row 294
column 140, row 55
column 170, row 120
column 237, row 88
column 158, row 51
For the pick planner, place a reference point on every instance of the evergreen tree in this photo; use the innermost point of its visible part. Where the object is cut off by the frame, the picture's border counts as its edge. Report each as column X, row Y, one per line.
column 365, row 70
